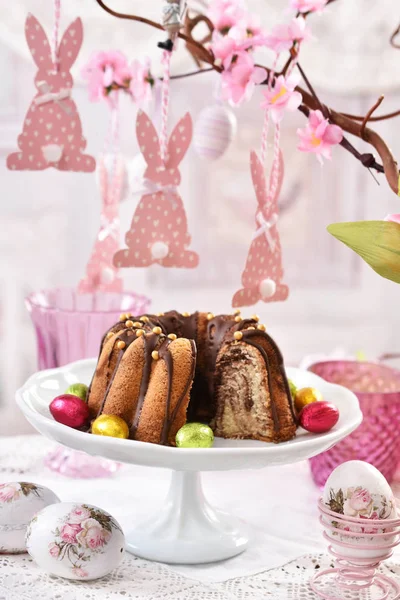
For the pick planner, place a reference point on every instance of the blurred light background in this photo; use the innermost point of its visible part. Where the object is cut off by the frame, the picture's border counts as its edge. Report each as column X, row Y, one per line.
column 49, row 219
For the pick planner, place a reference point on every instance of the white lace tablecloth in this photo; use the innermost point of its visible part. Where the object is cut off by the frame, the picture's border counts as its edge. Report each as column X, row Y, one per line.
column 279, row 505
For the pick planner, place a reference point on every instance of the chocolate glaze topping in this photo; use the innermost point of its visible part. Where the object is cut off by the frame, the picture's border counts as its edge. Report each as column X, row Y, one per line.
column 219, row 330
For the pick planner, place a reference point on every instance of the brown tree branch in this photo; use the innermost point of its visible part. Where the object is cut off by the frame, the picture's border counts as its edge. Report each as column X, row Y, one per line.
column 393, row 38
column 310, row 102
column 369, row 115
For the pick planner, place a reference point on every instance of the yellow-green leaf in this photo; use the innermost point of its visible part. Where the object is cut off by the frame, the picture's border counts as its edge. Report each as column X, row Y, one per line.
column 377, row 242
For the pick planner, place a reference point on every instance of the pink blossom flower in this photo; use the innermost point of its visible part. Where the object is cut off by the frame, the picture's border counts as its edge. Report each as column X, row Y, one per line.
column 79, row 572
column 141, row 81
column 305, row 6
column 69, row 532
column 394, row 218
column 282, row 97
column 79, row 514
column 224, row 48
column 239, row 81
column 103, row 70
column 224, row 14
column 93, row 535
column 319, row 136
column 54, row 550
column 9, row 492
column 252, row 24
column 282, row 37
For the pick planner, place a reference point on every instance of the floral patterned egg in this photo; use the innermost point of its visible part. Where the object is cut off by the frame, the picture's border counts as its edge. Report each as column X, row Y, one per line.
column 19, row 501
column 357, row 489
column 75, row 541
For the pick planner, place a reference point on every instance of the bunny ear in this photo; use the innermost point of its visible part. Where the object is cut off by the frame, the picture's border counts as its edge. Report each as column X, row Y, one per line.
column 180, row 140
column 281, row 169
column 70, row 44
column 148, row 139
column 258, row 177
column 38, row 43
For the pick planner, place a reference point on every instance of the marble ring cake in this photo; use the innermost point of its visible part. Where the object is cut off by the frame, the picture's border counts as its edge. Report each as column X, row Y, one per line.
column 159, row 371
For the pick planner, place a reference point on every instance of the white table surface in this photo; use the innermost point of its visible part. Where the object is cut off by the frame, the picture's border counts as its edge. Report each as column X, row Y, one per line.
column 278, row 504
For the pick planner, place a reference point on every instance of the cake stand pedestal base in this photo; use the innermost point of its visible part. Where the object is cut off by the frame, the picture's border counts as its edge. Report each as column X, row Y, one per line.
column 188, row 530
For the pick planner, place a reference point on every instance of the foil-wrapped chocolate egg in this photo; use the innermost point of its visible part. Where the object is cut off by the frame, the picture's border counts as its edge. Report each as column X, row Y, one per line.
column 195, row 435
column 305, row 396
column 319, row 417
column 70, row 410
column 78, row 389
column 111, row 426
column 75, row 541
column 19, row 501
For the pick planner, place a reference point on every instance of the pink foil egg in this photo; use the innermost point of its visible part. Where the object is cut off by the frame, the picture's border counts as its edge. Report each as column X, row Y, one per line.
column 69, row 410
column 319, row 417
column 214, row 130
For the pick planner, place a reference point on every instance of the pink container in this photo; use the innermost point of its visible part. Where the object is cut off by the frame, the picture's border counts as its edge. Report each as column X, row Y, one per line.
column 69, row 326
column 377, row 439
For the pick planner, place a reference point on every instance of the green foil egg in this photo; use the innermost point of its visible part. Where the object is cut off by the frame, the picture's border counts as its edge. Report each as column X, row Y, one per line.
column 78, row 389
column 293, row 388
column 195, row 435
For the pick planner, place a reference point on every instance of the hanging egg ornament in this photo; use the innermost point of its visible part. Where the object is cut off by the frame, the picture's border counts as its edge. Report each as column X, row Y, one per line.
column 19, row 501
column 70, row 410
column 214, row 131
column 75, row 541
column 78, row 389
column 111, row 426
column 195, row 435
column 319, row 417
column 306, row 396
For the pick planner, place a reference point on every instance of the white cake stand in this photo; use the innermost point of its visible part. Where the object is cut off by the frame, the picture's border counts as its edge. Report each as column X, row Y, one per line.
column 187, row 530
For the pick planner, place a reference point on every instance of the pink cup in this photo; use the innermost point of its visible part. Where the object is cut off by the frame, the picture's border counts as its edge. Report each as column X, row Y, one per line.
column 377, row 439
column 69, row 326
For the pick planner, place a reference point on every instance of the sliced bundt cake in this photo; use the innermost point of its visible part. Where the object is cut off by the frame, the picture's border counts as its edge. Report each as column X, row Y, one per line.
column 150, row 374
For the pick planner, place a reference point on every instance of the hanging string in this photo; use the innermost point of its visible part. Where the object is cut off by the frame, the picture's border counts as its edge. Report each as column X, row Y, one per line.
column 56, row 29
column 275, row 162
column 265, row 129
column 166, row 60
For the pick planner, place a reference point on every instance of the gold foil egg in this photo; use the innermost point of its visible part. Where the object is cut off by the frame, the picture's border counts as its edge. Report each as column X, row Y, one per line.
column 306, row 396
column 111, row 426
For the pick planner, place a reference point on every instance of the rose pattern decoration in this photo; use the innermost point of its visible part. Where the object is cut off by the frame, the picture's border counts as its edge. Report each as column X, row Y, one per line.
column 84, row 532
column 10, row 492
column 358, row 502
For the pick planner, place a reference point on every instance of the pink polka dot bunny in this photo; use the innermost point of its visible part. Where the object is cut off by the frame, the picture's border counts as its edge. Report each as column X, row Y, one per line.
column 52, row 131
column 159, row 230
column 263, row 273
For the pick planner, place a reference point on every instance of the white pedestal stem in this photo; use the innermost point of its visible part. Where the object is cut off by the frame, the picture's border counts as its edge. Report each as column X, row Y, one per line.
column 187, row 529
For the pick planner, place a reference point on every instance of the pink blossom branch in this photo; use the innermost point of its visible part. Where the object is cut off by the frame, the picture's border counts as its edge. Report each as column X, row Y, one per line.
column 310, row 102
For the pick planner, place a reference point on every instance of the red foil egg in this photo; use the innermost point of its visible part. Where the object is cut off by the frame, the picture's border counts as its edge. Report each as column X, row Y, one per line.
column 70, row 410
column 319, row 417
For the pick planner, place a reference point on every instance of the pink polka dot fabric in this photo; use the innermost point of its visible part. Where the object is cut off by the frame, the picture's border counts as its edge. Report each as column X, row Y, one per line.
column 264, row 260
column 160, row 217
column 52, row 131
column 101, row 275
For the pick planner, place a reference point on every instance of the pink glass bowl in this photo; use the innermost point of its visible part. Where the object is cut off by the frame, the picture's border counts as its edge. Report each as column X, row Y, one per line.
column 69, row 326
column 377, row 439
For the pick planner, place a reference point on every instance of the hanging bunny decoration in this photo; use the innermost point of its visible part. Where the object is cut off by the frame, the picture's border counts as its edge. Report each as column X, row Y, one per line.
column 159, row 230
column 263, row 273
column 52, row 131
column 101, row 275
